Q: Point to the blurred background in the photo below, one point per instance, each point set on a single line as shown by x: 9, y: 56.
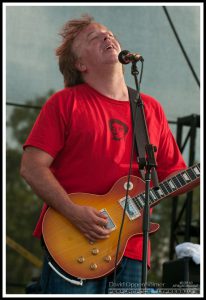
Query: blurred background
x: 168, y: 38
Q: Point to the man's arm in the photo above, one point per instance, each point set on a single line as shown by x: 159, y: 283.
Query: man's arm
x: 35, y: 169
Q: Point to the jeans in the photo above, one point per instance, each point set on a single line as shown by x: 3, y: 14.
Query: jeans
x: 128, y: 280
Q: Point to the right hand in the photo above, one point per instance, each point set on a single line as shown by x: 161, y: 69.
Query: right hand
x: 90, y: 222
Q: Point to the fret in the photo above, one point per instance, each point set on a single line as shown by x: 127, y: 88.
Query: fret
x: 151, y: 200
x: 191, y: 174
x: 172, y: 184
x: 196, y: 170
x: 142, y: 197
x: 155, y: 191
x: 153, y: 197
x: 160, y: 192
x: 140, y: 201
x: 135, y: 199
x: 181, y: 180
x: 164, y: 188
x: 167, y: 186
x: 186, y: 177
x: 176, y: 181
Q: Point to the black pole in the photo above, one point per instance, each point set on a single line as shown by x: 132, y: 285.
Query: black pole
x: 146, y: 222
x: 147, y: 164
x: 181, y: 46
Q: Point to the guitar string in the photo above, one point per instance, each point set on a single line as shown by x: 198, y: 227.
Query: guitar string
x: 180, y: 182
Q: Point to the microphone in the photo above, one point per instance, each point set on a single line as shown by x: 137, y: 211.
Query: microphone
x: 125, y: 57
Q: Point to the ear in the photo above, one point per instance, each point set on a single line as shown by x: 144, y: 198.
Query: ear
x: 80, y: 66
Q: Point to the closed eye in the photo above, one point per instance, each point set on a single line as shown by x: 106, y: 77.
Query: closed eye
x: 93, y: 38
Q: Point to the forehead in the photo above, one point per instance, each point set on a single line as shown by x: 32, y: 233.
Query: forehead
x: 93, y: 27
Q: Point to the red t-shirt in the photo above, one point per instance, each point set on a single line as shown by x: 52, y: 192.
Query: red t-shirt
x: 89, y: 136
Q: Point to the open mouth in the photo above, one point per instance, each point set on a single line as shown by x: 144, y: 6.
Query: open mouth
x: 109, y: 47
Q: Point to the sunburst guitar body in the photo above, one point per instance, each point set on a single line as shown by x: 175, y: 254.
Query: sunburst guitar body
x: 81, y: 258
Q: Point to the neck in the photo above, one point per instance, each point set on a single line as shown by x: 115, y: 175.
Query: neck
x: 109, y: 82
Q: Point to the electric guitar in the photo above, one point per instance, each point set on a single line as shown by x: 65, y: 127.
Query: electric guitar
x: 77, y: 256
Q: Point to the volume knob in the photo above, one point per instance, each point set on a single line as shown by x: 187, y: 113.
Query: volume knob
x: 93, y: 266
x: 95, y: 251
x: 107, y: 258
x: 81, y: 259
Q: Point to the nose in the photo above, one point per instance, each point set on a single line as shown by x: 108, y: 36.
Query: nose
x: 106, y: 35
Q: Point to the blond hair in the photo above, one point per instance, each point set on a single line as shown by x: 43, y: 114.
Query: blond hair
x: 66, y: 56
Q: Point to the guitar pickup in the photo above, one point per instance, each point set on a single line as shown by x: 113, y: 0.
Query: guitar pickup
x: 110, y: 224
x: 131, y: 210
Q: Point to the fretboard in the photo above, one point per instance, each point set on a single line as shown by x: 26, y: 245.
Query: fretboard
x: 169, y: 186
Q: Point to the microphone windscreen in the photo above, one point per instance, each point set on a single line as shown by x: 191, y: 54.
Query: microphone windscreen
x: 122, y: 55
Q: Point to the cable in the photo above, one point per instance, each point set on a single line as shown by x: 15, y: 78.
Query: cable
x: 128, y: 183
x: 181, y: 46
x: 23, y: 105
x: 127, y: 191
x: 39, y: 107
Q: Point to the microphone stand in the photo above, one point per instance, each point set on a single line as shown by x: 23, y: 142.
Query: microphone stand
x: 147, y: 163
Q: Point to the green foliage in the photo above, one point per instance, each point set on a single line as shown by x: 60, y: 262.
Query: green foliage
x: 22, y: 205
x: 22, y: 119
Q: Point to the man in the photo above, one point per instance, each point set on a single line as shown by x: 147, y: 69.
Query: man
x: 118, y: 129
x: 73, y: 147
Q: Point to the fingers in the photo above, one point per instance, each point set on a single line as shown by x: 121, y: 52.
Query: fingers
x: 102, y: 231
x: 93, y: 224
x: 100, y: 219
x: 92, y: 236
x: 96, y: 232
x: 101, y: 222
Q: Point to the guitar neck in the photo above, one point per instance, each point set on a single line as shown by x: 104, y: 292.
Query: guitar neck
x: 169, y: 186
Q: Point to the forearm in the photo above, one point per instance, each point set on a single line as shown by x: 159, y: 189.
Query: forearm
x: 46, y: 186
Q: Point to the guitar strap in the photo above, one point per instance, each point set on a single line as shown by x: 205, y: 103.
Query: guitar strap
x: 141, y: 133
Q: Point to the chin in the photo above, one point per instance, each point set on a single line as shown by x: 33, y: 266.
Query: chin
x: 112, y: 60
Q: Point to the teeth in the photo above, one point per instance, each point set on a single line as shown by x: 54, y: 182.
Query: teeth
x: 109, y: 47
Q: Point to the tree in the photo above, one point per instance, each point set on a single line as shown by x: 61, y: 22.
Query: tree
x: 22, y: 205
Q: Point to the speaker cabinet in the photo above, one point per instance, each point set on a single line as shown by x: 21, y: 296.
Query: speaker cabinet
x: 182, y: 272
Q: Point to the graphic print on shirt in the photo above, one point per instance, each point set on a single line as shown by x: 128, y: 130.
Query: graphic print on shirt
x: 118, y: 129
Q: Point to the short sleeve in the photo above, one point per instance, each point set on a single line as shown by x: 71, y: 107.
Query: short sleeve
x: 51, y: 127
x: 169, y: 157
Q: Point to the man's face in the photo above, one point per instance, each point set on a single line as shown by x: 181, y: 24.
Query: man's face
x: 96, y: 45
x: 117, y: 131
